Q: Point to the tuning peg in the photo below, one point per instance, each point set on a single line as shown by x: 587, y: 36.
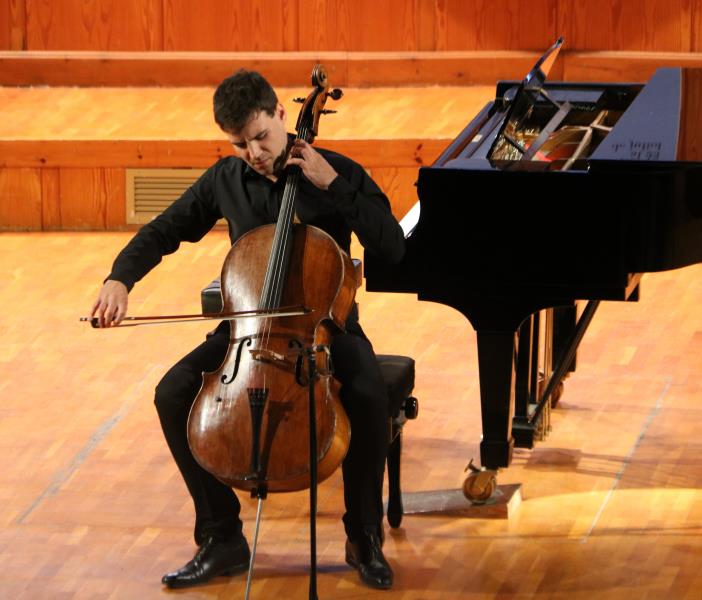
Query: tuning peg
x: 327, y: 111
x: 335, y: 94
x: 299, y: 100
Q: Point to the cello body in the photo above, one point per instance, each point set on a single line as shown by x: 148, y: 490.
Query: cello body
x: 249, y: 425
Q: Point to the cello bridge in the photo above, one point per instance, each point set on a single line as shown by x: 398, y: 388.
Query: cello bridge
x: 265, y: 355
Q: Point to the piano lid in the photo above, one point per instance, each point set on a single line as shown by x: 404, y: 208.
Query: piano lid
x: 648, y: 130
x: 663, y: 123
x: 525, y: 96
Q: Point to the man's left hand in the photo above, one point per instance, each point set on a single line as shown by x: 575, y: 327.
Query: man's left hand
x: 314, y: 166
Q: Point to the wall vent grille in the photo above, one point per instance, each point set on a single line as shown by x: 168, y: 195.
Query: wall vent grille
x: 151, y: 191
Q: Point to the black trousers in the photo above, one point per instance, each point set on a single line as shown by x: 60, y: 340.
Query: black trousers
x: 363, y: 396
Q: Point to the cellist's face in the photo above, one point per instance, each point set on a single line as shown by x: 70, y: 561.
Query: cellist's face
x: 262, y: 142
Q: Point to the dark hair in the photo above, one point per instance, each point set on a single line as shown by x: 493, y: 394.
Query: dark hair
x: 240, y: 97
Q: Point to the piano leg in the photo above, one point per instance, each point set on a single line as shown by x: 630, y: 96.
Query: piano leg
x: 496, y: 350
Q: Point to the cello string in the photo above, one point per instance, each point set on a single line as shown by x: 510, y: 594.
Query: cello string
x: 284, y: 235
x: 275, y: 275
x: 272, y: 273
x: 281, y: 235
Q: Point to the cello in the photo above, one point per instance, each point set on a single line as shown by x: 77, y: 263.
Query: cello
x: 248, y: 425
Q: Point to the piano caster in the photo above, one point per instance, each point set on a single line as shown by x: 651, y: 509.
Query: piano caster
x: 480, y: 484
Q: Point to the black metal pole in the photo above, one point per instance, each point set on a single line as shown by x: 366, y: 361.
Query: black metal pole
x: 565, y: 360
x: 312, y: 375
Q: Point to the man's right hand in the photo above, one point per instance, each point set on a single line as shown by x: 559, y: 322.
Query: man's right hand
x: 111, y: 304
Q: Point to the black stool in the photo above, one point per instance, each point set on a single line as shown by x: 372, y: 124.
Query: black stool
x: 398, y: 374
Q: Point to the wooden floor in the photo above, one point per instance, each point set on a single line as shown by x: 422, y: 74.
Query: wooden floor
x: 91, y: 505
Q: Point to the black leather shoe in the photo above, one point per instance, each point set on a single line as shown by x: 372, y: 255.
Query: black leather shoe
x: 213, y: 558
x: 366, y: 556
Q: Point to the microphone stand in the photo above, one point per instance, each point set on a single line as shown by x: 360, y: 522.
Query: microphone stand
x: 312, y: 375
x: 260, y: 492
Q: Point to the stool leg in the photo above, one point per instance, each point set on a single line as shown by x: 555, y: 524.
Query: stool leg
x: 394, y: 492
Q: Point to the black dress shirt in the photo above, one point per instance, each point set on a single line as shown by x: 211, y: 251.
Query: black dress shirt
x: 246, y: 199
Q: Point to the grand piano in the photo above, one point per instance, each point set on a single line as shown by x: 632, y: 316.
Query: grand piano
x: 555, y: 192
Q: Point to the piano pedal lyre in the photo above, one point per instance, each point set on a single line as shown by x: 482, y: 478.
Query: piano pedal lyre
x: 543, y: 422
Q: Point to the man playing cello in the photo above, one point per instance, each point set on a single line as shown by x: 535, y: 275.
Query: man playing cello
x: 336, y: 195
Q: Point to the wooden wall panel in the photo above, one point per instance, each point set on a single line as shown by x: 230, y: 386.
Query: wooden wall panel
x: 350, y: 25
x: 377, y: 25
x: 264, y: 25
x: 429, y: 21
x: 383, y: 25
x: 18, y: 24
x: 690, y: 138
x: 325, y: 24
x: 12, y: 24
x: 84, y: 197
x: 115, y: 206
x: 360, y: 25
x: 647, y: 25
x: 20, y: 199
x: 399, y: 186
x: 498, y: 25
x: 696, y: 26
x: 50, y: 199
x: 5, y: 26
x: 96, y: 25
